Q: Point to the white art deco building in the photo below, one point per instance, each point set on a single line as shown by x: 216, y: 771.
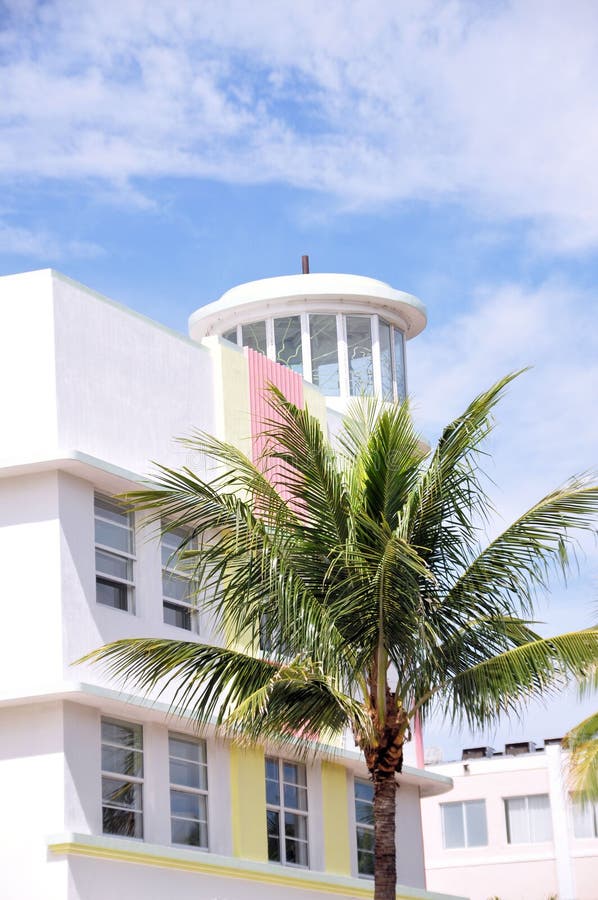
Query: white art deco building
x: 102, y: 793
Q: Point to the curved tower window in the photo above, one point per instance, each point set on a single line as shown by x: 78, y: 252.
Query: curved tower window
x: 361, y: 362
x: 287, y: 342
x: 324, y: 354
x: 231, y: 335
x: 399, y: 349
x: 254, y: 336
x: 385, y: 360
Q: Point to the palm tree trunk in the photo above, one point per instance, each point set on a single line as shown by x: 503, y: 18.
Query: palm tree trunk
x: 385, y: 857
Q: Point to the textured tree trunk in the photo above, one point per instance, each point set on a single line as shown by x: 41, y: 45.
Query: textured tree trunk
x: 385, y: 862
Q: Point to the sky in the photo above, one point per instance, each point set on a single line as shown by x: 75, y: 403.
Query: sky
x: 163, y: 152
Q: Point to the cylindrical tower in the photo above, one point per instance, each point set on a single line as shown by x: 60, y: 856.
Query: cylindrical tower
x: 344, y: 333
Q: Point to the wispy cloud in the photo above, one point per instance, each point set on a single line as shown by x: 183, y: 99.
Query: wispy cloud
x: 41, y: 245
x: 493, y: 104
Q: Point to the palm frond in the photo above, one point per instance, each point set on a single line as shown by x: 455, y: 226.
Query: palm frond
x: 582, y: 741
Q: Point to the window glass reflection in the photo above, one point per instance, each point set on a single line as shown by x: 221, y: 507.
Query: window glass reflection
x: 359, y: 347
x: 324, y: 354
x: 385, y: 359
x: 254, y: 336
x: 400, y: 364
x: 231, y: 335
x: 287, y: 341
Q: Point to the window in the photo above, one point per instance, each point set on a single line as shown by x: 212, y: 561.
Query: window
x: 122, y: 778
x: 364, y: 826
x: 359, y: 348
x: 324, y: 354
x: 188, y: 791
x: 286, y: 812
x: 585, y: 818
x: 399, y: 349
x: 528, y: 819
x: 231, y: 335
x: 254, y: 336
x: 114, y: 548
x: 177, y: 587
x: 464, y: 824
x: 385, y: 360
x: 287, y: 342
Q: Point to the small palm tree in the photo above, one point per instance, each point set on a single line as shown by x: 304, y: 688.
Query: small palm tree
x: 359, y: 568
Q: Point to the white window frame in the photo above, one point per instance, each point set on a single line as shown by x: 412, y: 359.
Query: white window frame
x: 588, y: 809
x: 203, y: 792
x: 527, y: 798
x: 170, y: 569
x: 114, y: 551
x: 361, y: 826
x: 120, y: 776
x: 466, y: 838
x: 281, y: 809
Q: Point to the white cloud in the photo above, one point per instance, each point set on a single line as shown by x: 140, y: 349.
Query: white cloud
x: 491, y: 104
x: 41, y: 245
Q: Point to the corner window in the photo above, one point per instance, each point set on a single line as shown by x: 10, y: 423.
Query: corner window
x: 528, y: 819
x: 230, y: 335
x: 464, y: 824
x: 287, y: 342
x: 399, y: 352
x: 364, y: 826
x: 254, y: 337
x: 385, y: 360
x: 585, y: 817
x: 361, y: 361
x: 122, y: 778
x: 114, y: 552
x: 177, y: 586
x: 324, y: 354
x: 188, y: 791
x: 286, y: 812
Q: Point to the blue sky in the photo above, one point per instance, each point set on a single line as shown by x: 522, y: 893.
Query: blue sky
x: 162, y: 152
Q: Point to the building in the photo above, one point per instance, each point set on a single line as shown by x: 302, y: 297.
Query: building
x: 101, y: 792
x: 510, y: 828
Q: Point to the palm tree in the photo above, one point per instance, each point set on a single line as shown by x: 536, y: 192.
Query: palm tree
x: 358, y: 566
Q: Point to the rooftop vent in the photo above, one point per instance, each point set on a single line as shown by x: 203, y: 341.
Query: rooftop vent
x: 477, y: 753
x: 549, y: 741
x: 519, y: 748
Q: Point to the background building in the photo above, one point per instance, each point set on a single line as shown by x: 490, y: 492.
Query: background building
x: 510, y: 828
x: 102, y: 794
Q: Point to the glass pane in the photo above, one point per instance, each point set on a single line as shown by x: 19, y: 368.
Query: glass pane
x: 273, y: 848
x: 110, y: 593
x: 287, y: 341
x: 385, y: 359
x: 272, y: 792
x: 539, y: 818
x: 364, y: 790
x: 295, y: 797
x: 452, y: 825
x: 187, y: 774
x: 365, y: 862
x: 122, y: 733
x: 364, y: 812
x: 254, y: 336
x: 182, y: 803
x: 230, y: 335
x: 108, y: 564
x: 365, y: 839
x: 475, y: 818
x: 176, y: 588
x: 110, y: 509
x: 583, y: 819
x: 399, y: 347
x: 324, y: 354
x: 517, y: 822
x: 195, y: 751
x: 194, y: 834
x: 125, y: 794
x: 125, y: 762
x: 295, y: 826
x: 116, y: 821
x: 296, y: 852
x: 294, y: 774
x: 272, y: 768
x: 359, y: 348
x: 179, y: 616
x: 113, y: 536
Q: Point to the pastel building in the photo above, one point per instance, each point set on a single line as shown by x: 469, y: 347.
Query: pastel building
x: 511, y: 828
x: 104, y: 794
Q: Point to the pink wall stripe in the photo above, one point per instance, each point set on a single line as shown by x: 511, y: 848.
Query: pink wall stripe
x: 418, y: 736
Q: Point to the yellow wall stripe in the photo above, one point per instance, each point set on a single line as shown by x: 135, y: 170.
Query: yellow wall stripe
x: 337, y: 851
x: 248, y: 799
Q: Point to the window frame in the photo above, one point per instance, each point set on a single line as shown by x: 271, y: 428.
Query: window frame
x: 202, y: 792
x: 281, y: 809
x: 123, y: 777
x: 128, y: 583
x: 169, y: 568
x: 370, y: 829
x: 577, y: 803
x: 464, y: 820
